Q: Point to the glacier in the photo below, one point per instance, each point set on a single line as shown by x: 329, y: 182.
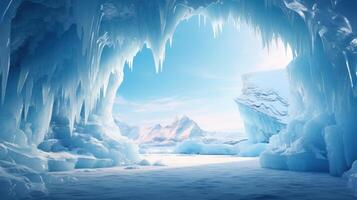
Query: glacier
x: 264, y: 104
x: 61, y: 63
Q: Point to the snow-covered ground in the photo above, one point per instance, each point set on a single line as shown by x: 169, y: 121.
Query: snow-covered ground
x: 196, y: 177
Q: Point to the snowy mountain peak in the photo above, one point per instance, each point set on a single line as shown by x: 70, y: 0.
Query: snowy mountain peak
x: 183, y: 121
x: 180, y: 129
x: 156, y: 127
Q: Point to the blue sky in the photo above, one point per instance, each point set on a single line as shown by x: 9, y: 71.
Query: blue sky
x: 200, y: 77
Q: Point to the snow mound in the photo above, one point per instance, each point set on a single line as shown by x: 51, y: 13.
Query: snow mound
x: 91, y: 145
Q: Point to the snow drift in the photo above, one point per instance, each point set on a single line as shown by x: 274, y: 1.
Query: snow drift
x: 61, y: 63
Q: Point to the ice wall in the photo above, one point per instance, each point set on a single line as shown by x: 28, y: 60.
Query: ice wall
x: 61, y: 63
x: 263, y: 104
x: 320, y: 136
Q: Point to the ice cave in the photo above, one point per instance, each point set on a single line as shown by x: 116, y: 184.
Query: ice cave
x: 62, y: 62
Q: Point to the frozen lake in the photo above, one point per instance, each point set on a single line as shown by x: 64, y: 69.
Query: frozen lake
x: 196, y: 177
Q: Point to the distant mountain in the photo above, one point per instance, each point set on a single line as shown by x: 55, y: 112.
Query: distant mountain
x: 181, y: 129
x: 163, y: 139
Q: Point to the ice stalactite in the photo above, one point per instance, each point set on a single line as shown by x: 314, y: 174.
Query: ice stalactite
x: 7, y: 12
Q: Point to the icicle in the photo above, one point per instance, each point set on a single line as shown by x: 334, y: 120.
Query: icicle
x: 237, y: 23
x: 45, y: 92
x: 72, y: 117
x: 106, y: 82
x: 28, y: 96
x: 79, y: 110
x: 86, y: 111
x: 170, y: 40
x: 7, y: 10
x: 217, y: 28
x: 22, y: 78
x: 85, y: 21
x: 130, y: 63
x: 158, y: 54
x: 350, y: 74
x: 5, y: 27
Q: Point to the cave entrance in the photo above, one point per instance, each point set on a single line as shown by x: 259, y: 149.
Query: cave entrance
x: 219, y: 87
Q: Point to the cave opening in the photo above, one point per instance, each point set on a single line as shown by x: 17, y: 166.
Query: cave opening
x: 62, y: 62
x: 207, y: 77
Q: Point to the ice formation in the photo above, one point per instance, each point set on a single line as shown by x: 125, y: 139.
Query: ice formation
x: 263, y: 104
x: 61, y: 63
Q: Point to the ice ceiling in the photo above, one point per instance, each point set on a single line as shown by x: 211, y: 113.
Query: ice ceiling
x: 61, y: 63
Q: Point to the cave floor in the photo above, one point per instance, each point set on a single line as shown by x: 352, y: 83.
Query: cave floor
x: 196, y: 177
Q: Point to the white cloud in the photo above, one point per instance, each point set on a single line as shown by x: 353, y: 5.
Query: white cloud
x: 155, y: 105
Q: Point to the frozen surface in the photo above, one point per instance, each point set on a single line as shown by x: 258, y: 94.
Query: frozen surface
x: 198, y: 177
